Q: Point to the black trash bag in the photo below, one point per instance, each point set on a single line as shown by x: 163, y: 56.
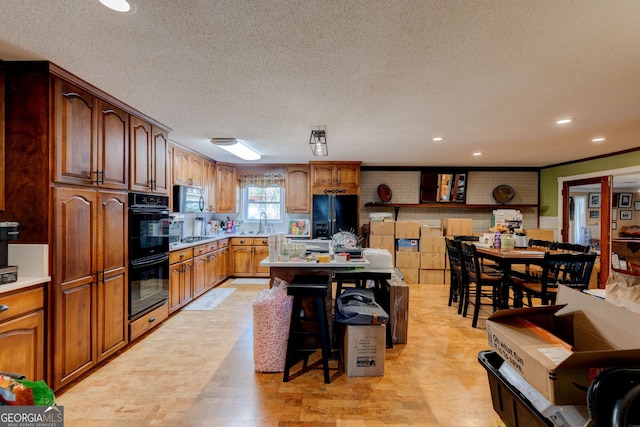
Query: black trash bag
x: 357, y: 306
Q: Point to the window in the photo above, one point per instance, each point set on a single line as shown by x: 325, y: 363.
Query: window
x: 263, y: 199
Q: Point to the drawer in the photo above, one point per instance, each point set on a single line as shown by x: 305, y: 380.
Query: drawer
x: 181, y: 255
x: 149, y: 321
x: 223, y: 243
x: 242, y: 241
x: 20, y: 303
x: 212, y: 246
x: 260, y: 241
x: 201, y: 250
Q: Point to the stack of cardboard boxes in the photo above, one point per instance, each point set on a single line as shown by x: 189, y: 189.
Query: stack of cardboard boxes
x: 419, y: 250
x: 407, y: 253
x: 432, y: 255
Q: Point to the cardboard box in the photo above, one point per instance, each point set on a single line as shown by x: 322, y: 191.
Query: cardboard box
x: 411, y: 275
x: 432, y: 277
x: 432, y: 261
x: 382, y: 242
x: 364, y: 350
x: 457, y: 226
x: 407, y: 230
x: 539, y: 234
x: 385, y: 228
x: 432, y: 244
x: 399, y: 307
x: 408, y: 245
x: 431, y: 231
x: 566, y: 345
x: 407, y: 259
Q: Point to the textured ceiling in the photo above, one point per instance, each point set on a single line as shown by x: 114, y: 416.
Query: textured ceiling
x: 383, y: 77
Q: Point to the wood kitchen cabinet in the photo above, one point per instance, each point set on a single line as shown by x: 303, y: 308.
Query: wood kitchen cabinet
x: 246, y: 254
x: 204, y: 269
x: 22, y: 333
x: 223, y: 260
x: 180, y: 278
x: 335, y: 177
x: 149, y: 147
x: 1, y: 136
x: 58, y: 129
x: 90, y: 290
x: 297, y: 189
x: 226, y: 183
x: 91, y: 138
x: 188, y: 168
x: 209, y: 173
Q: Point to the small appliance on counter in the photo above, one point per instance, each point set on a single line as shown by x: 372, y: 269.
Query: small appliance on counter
x: 8, y: 232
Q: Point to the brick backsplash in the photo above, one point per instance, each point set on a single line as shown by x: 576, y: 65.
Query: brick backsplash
x: 405, y: 188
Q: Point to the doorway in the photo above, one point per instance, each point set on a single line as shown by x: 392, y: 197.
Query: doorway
x: 586, y: 217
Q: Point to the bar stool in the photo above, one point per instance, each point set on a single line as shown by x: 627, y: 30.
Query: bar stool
x: 303, y: 339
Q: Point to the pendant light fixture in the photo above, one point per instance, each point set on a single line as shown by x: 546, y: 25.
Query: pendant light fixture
x: 236, y: 148
x: 318, y: 142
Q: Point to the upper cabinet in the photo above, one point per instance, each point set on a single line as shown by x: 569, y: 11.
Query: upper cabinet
x: 188, y: 169
x: 335, y: 177
x: 91, y: 138
x: 148, y: 166
x: 297, y: 189
x: 226, y: 183
x: 209, y: 169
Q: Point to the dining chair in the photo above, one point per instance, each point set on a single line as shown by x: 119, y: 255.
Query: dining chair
x: 544, y: 244
x: 572, y: 247
x: 558, y: 268
x: 485, y: 286
x: 456, y: 287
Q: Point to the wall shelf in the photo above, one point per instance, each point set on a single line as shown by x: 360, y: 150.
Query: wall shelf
x: 448, y: 205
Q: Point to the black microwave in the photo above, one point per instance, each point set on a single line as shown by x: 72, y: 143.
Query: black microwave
x: 187, y: 199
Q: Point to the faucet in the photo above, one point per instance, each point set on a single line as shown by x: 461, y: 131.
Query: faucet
x: 263, y: 215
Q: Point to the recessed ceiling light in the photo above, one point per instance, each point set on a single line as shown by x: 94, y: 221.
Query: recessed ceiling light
x: 563, y: 121
x: 123, y: 6
x: 437, y: 139
x: 236, y: 148
x: 598, y: 139
x: 477, y: 153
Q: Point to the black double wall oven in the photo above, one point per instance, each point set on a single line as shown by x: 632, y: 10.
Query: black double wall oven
x: 148, y: 253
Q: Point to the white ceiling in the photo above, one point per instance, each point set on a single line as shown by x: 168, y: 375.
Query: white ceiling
x: 382, y: 76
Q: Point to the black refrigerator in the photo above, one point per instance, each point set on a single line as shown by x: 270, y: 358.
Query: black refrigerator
x: 334, y: 213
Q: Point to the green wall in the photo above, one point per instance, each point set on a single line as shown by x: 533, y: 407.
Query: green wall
x: 549, y: 176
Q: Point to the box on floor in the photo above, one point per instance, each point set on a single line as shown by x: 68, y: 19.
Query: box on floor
x: 364, y: 350
x: 559, y: 349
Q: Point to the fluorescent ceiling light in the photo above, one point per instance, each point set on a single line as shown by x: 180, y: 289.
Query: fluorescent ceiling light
x: 437, y: 139
x: 236, y: 148
x: 563, y: 121
x: 598, y: 139
x: 477, y: 153
x: 119, y: 5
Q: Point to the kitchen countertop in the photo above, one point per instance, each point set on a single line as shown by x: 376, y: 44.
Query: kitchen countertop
x: 207, y: 239
x: 33, y: 266
x: 331, y: 264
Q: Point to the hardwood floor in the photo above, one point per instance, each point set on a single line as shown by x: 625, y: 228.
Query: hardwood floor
x: 197, y: 370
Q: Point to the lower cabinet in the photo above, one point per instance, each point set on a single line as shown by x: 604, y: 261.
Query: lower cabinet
x: 180, y: 278
x: 90, y: 319
x: 223, y: 267
x: 22, y: 333
x: 246, y: 256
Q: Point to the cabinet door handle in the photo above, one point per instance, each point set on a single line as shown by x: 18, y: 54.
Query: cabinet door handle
x: 97, y: 180
x: 4, y: 307
x: 152, y: 319
x: 101, y: 177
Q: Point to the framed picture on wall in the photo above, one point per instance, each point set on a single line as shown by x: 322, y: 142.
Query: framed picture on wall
x: 594, y: 214
x: 636, y: 206
x: 625, y: 200
x: 625, y: 214
x: 594, y: 200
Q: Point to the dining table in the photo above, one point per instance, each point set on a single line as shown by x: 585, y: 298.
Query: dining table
x: 505, y: 260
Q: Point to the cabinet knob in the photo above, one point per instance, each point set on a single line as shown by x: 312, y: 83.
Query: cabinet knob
x: 152, y: 319
x: 4, y: 307
x: 181, y: 255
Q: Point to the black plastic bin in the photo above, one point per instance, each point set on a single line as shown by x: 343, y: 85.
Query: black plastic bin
x: 514, y: 409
